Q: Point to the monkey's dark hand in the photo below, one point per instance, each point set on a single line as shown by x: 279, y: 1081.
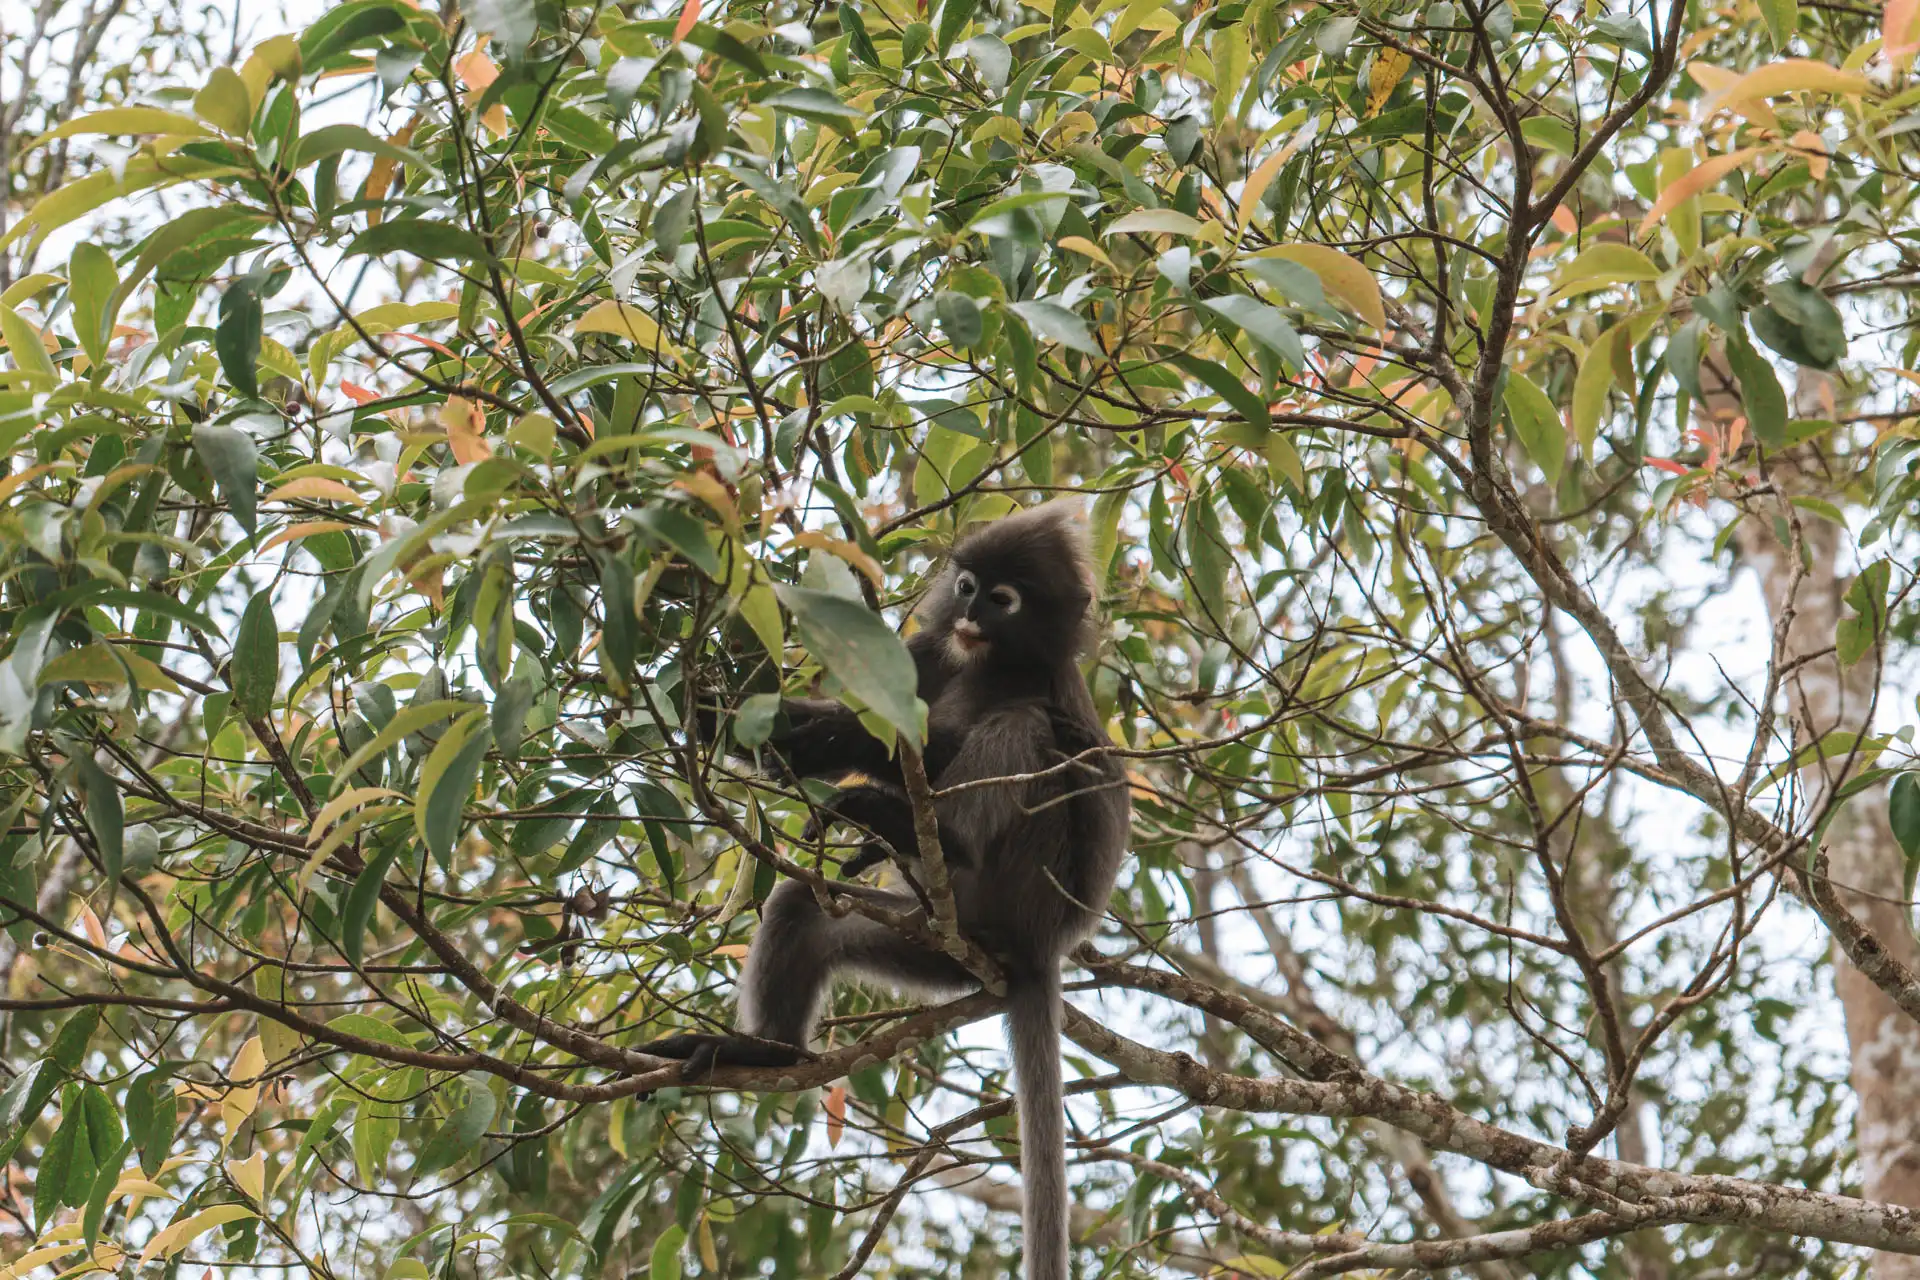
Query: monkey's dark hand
x: 881, y: 810
x: 700, y: 1053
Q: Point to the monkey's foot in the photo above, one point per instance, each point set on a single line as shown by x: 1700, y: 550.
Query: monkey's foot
x: 701, y: 1053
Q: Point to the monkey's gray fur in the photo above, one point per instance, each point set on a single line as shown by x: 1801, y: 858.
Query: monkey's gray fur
x: 1032, y: 862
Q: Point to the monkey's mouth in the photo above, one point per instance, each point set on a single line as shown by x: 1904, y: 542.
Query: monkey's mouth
x: 967, y: 644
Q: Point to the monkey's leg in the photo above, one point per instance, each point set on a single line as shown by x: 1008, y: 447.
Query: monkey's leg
x: 791, y: 967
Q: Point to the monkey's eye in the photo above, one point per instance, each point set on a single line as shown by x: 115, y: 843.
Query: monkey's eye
x: 965, y: 585
x: 1006, y: 598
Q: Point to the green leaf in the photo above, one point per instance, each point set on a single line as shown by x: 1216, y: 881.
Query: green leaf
x: 511, y: 23
x: 954, y: 17
x: 331, y: 140
x: 225, y: 103
x: 434, y: 241
x: 1867, y: 596
x: 1782, y: 18
x: 673, y: 527
x: 349, y: 26
x: 29, y: 354
x: 820, y: 107
x: 233, y: 461
x: 255, y: 674
x: 357, y: 912
x: 1590, y: 387
x: 1264, y: 324
x: 857, y: 38
x: 1802, y: 324
x: 664, y: 1262
x: 151, y: 1116
x: 1537, y: 425
x: 106, y: 817
x: 91, y: 282
x: 862, y: 652
x: 1760, y: 393
x: 103, y: 1124
x: 62, y: 1155
x: 411, y: 720
x: 960, y: 317
x: 105, y: 1178
x: 460, y: 1135
x: 1227, y: 387
x: 1054, y: 323
x: 446, y: 780
x: 1903, y: 812
x: 236, y: 340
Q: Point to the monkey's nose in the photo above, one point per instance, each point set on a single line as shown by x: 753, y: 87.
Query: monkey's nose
x: 967, y: 629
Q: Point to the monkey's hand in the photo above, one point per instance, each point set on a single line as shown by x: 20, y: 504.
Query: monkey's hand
x: 880, y: 810
x: 700, y: 1053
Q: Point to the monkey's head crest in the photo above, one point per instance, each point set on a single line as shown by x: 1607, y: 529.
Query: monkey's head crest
x: 1017, y: 592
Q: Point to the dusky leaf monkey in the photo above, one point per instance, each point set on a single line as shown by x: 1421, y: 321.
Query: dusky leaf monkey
x: 1032, y: 860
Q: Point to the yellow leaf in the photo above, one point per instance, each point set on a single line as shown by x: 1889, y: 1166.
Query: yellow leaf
x: 125, y: 120
x: 250, y: 1175
x: 1087, y: 249
x: 623, y: 320
x: 224, y: 102
x: 815, y: 540
x: 1692, y: 183
x: 146, y: 671
x: 466, y: 425
x: 34, y: 1259
x: 1387, y: 70
x: 715, y: 495
x: 1257, y: 183
x: 1716, y: 80
x: 170, y: 1240
x: 1340, y: 275
x: 315, y: 488
x: 709, y: 1256
x: 1789, y: 75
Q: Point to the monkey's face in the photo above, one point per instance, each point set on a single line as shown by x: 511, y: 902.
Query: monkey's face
x: 986, y: 617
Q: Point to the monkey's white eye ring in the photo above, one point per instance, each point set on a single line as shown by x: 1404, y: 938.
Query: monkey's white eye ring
x: 1005, y: 597
x: 965, y: 585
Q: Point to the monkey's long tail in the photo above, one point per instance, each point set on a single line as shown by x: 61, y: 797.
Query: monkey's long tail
x: 1034, y: 1018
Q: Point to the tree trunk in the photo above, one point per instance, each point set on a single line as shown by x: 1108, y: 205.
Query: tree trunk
x: 1867, y: 864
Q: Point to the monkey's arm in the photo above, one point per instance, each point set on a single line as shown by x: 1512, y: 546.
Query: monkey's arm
x: 885, y: 813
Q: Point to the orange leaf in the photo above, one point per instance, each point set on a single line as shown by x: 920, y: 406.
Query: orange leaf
x: 294, y: 532
x: 1667, y: 464
x: 689, y: 14
x: 1692, y: 183
x: 836, y: 1109
x: 380, y: 176
x: 357, y: 393
x: 476, y: 70
x: 1562, y: 219
x: 91, y: 923
x: 466, y: 426
x: 1813, y: 148
x: 1897, y: 25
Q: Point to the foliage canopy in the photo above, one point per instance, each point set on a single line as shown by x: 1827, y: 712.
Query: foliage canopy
x: 405, y: 421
